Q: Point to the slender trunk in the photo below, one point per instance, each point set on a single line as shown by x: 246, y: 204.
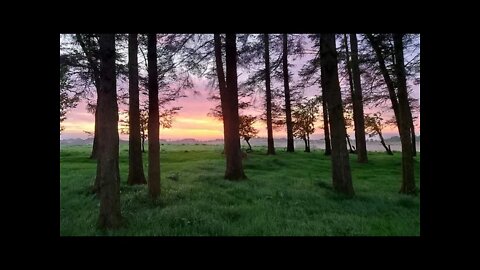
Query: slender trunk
x: 249, y: 146
x: 357, y: 99
x: 221, y: 85
x: 408, y: 183
x: 288, y: 109
x: 306, y: 145
x: 234, y: 168
x: 143, y: 145
x: 382, y: 141
x: 341, y: 174
x: 153, y: 120
x: 326, y: 124
x: 388, y: 81
x: 349, y: 144
x: 266, y: 55
x: 350, y: 81
x: 347, y: 63
x: 94, y: 153
x: 414, y: 139
x: 135, y: 160
x: 89, y: 51
x: 108, y: 171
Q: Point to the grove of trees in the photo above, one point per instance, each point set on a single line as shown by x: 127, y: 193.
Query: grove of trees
x: 354, y: 78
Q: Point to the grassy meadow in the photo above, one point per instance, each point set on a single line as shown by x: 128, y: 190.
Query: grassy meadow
x: 289, y: 194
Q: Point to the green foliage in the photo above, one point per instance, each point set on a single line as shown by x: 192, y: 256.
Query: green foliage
x: 286, y: 194
x: 67, y: 100
x: 373, y: 124
x: 304, y: 115
x: 247, y: 130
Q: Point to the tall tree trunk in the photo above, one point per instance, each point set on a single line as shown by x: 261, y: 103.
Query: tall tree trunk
x: 107, y: 163
x: 143, y: 144
x: 221, y: 85
x: 135, y: 164
x: 350, y: 80
x: 266, y: 55
x: 382, y: 141
x: 89, y: 51
x: 414, y: 139
x: 234, y: 170
x: 153, y: 120
x: 408, y: 183
x: 326, y: 124
x: 386, y: 77
x: 357, y: 99
x: 95, y: 147
x: 341, y: 174
x: 288, y: 109
x: 94, y: 153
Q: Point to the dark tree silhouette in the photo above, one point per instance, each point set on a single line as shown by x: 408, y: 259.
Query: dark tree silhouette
x: 135, y: 159
x: 288, y: 110
x: 108, y: 173
x: 90, y: 49
x: 268, y: 96
x: 341, y: 174
x: 326, y: 123
x: 374, y: 126
x: 408, y: 183
x: 234, y: 168
x: 247, y: 130
x: 305, y: 115
x: 357, y: 100
x: 153, y: 120
x: 222, y: 88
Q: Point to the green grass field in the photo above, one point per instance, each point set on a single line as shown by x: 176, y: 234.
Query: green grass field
x: 285, y: 195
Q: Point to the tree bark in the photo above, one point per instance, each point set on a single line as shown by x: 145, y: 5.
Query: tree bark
x: 153, y: 120
x: 408, y: 183
x: 94, y: 153
x: 357, y: 99
x: 234, y: 169
x: 341, y: 174
x: 221, y: 85
x: 288, y: 109
x: 136, y: 175
x: 266, y: 55
x: 108, y: 171
x: 326, y: 124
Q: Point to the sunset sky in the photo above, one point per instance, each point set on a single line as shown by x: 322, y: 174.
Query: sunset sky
x: 192, y: 120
